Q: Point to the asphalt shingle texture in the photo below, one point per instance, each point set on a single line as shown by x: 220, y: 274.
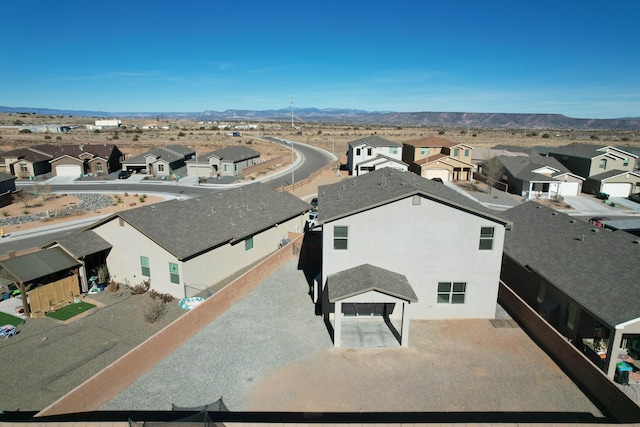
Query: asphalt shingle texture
x: 366, y: 277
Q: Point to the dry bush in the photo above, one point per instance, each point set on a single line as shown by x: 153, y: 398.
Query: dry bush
x: 140, y: 288
x: 113, y: 286
x: 165, y: 298
x: 153, y: 310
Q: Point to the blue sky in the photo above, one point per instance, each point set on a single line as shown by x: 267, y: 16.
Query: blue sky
x: 578, y: 58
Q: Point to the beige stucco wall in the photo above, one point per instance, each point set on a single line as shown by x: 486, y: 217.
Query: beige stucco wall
x: 205, y: 270
x: 428, y: 243
x: 612, y: 163
x: 632, y: 327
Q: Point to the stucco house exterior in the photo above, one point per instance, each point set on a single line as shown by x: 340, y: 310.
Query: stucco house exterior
x: 615, y: 183
x: 581, y: 279
x: 440, y: 251
x: 435, y: 157
x: 7, y: 188
x: 597, y: 163
x: 538, y: 177
x: 159, y: 162
x: 28, y: 162
x: 228, y: 161
x: 187, y: 245
x: 83, y: 159
x: 363, y: 151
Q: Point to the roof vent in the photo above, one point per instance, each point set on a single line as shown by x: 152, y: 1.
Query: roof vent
x: 594, y: 230
x: 637, y: 242
x: 580, y: 239
x: 554, y: 213
x: 572, y: 221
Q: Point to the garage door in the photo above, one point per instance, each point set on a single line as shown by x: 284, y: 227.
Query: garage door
x: 569, y: 188
x: 617, y: 189
x: 68, y: 170
x: 437, y: 173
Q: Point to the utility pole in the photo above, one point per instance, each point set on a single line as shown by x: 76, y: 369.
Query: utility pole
x: 292, y: 112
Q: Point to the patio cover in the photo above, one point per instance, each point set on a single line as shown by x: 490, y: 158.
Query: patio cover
x: 392, y: 287
x: 81, y: 244
x: 29, y: 267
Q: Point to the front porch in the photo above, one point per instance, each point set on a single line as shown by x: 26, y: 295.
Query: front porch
x: 369, y: 332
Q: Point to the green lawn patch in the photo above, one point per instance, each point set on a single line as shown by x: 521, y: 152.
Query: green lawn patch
x: 70, y: 311
x: 7, y: 319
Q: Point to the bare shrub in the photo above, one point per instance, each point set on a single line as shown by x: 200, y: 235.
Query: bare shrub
x: 140, y: 288
x: 165, y: 298
x: 153, y: 310
x: 113, y: 286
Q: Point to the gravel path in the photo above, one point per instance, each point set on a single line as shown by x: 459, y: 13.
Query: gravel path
x: 270, y: 352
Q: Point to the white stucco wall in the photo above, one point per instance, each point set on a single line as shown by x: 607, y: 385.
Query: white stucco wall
x: 428, y: 243
x: 632, y: 327
x: 353, y: 159
x: 207, y: 269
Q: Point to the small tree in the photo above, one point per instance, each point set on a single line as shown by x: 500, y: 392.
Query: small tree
x: 23, y: 197
x: 493, y: 170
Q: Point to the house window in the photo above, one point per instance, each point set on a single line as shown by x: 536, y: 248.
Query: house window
x: 393, y: 150
x: 235, y: 167
x: 456, y: 152
x: 160, y: 168
x: 415, y: 200
x: 144, y: 266
x: 369, y: 151
x: 24, y: 167
x: 174, y: 273
x: 424, y: 151
x: 603, y: 163
x: 226, y: 168
x: 466, y: 153
x: 340, y: 237
x: 486, y: 238
x: 451, y: 292
x: 570, y: 317
x: 357, y: 151
x: 99, y: 167
x: 625, y: 162
x: 248, y: 243
x: 120, y: 222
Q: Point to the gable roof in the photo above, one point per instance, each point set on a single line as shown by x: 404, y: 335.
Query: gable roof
x: 187, y: 228
x: 597, y: 269
x: 7, y: 177
x: 81, y: 244
x: 365, y: 278
x: 233, y: 153
x: 431, y: 142
x: 53, y: 152
x: 167, y: 154
x: 612, y: 174
x: 387, y: 185
x: 524, y: 168
x: 374, y: 141
x: 382, y: 157
x: 585, y: 151
x: 33, y: 266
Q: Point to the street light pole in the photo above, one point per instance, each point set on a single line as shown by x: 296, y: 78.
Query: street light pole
x: 292, y: 111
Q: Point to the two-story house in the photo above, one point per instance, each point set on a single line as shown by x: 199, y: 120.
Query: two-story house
x: 227, y: 161
x: 401, y: 247
x: 373, y: 152
x: 581, y: 279
x: 435, y: 157
x: 607, y: 169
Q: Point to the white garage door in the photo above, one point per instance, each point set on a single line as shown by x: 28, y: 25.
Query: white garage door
x: 68, y: 170
x: 617, y: 189
x: 437, y: 173
x: 569, y: 188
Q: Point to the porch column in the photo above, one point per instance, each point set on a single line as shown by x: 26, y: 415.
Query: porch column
x: 337, y: 324
x: 404, y: 335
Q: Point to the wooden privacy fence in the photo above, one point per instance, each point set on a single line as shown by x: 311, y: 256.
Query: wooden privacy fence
x: 314, y: 175
x: 53, y: 296
x: 261, y: 166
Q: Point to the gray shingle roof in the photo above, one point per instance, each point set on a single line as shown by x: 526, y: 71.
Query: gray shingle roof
x: 385, y: 185
x: 168, y: 154
x: 187, y: 228
x: 600, y: 271
x: 523, y: 167
x: 366, y: 277
x: 84, y: 243
x: 6, y: 177
x: 610, y: 174
x: 39, y: 264
x: 374, y: 141
x: 234, y: 153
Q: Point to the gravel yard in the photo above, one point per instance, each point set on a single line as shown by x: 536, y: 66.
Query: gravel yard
x: 269, y: 352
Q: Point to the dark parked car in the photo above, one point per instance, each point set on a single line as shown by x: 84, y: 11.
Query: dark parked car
x: 124, y: 174
x: 602, y: 196
x: 635, y: 197
x: 314, y: 203
x: 436, y: 179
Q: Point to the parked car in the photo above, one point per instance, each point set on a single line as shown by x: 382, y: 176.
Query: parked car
x: 314, y: 203
x: 635, y: 197
x: 124, y: 174
x: 602, y: 196
x: 436, y: 179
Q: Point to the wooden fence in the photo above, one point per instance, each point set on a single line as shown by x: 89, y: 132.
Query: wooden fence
x: 311, y: 178
x: 261, y: 166
x: 54, y: 295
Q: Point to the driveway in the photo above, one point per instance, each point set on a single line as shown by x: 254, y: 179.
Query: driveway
x: 585, y: 205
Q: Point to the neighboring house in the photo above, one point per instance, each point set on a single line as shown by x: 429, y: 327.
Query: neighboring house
x: 538, y: 177
x: 363, y: 151
x: 68, y: 160
x: 91, y: 251
x: 84, y: 159
x: 404, y: 247
x: 7, y: 188
x: 581, y: 279
x: 615, y: 183
x: 435, y: 157
x: 228, y: 161
x: 159, y: 162
x: 604, y: 167
x: 185, y: 246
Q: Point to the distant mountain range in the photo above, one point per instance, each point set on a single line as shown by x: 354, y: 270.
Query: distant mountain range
x: 360, y: 117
